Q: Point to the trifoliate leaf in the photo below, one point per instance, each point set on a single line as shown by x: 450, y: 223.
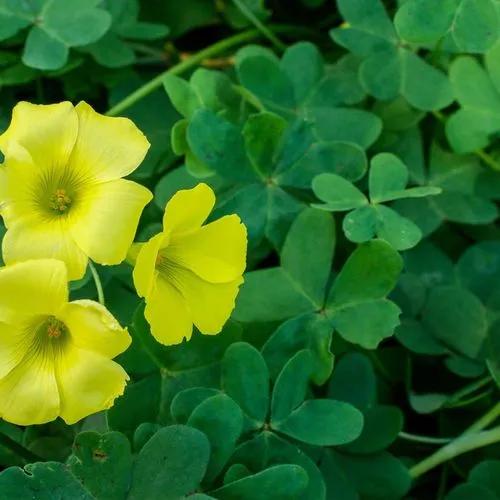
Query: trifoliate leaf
x: 388, y: 68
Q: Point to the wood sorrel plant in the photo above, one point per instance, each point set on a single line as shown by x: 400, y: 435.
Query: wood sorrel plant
x: 297, y: 286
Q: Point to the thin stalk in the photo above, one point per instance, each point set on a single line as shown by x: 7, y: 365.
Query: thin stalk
x: 471, y: 400
x: 458, y: 446
x: 440, y: 116
x: 19, y: 449
x: 487, y: 419
x: 474, y: 437
x: 98, y: 284
x: 189, y: 63
x: 249, y: 97
x: 424, y: 439
x: 147, y: 50
x: 183, y: 66
x: 488, y: 159
x: 259, y: 25
x: 468, y: 389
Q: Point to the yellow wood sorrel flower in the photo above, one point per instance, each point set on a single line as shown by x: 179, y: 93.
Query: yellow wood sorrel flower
x: 61, y: 191
x: 55, y: 355
x: 190, y: 273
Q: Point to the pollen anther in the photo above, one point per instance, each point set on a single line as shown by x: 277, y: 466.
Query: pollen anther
x: 55, y: 328
x: 60, y: 201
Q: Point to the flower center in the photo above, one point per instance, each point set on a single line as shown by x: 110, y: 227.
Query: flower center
x: 53, y: 328
x: 60, y: 201
x: 45, y: 336
x: 164, y: 265
x: 167, y: 267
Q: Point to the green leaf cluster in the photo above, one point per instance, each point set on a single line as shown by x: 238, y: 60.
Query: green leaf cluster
x: 358, y: 140
x: 482, y: 480
x: 55, y: 26
x: 249, y: 432
x: 270, y: 137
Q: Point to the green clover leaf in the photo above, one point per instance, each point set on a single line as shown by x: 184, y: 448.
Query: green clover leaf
x: 57, y: 26
x: 389, y: 68
x: 387, y: 182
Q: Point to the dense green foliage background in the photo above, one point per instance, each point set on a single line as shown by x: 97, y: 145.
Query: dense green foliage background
x: 358, y: 141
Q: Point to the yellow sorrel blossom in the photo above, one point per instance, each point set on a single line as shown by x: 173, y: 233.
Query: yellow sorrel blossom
x: 55, y: 355
x: 61, y: 191
x: 190, y: 273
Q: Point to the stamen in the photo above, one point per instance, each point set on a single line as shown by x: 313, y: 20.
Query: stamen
x: 54, y: 328
x: 60, y: 201
x: 45, y: 336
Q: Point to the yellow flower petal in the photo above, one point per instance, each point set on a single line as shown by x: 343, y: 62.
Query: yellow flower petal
x: 47, y: 132
x: 133, y: 252
x: 106, y: 148
x: 34, y: 238
x: 188, y: 209
x: 144, y: 272
x: 106, y: 218
x: 3, y: 188
x: 18, y: 180
x: 10, y: 353
x: 88, y: 383
x: 29, y: 394
x: 167, y: 314
x: 210, y: 304
x: 94, y: 328
x: 31, y: 288
x: 216, y: 252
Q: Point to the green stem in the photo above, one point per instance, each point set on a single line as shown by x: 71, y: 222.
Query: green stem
x: 147, y: 50
x: 19, y: 449
x: 484, y: 421
x: 488, y: 159
x: 474, y: 437
x: 458, y: 446
x: 259, y: 25
x: 439, y: 116
x: 249, y: 97
x: 468, y: 389
x: 183, y: 66
x: 210, y: 51
x: 471, y: 400
x: 423, y: 439
x: 98, y: 284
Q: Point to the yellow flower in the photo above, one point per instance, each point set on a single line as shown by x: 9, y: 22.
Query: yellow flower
x: 55, y: 356
x: 190, y: 273
x: 61, y: 191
